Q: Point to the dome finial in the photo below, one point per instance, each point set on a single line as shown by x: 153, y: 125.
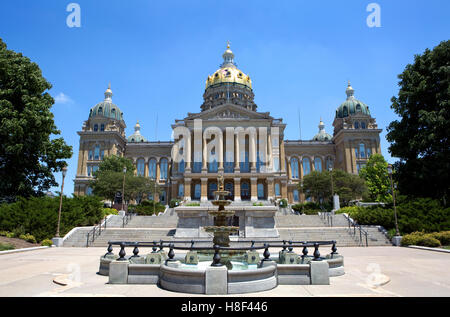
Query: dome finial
x: 228, y: 57
x: 108, y: 93
x: 349, y: 91
x: 228, y: 44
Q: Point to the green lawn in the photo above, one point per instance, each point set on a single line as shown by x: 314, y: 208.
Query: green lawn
x: 446, y: 247
x: 6, y: 246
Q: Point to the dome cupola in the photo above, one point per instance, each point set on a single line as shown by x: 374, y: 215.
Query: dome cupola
x: 106, y: 108
x: 136, y: 136
x: 351, y: 106
x: 322, y: 135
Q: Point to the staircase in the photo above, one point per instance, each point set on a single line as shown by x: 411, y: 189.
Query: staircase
x: 290, y: 226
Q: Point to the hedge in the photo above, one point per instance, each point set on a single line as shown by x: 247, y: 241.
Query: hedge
x: 148, y: 208
x: 435, y: 239
x: 38, y: 216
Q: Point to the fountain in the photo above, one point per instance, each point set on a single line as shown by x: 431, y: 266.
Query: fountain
x: 220, y: 229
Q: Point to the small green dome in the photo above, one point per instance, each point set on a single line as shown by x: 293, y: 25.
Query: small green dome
x: 322, y: 135
x: 352, y: 105
x: 137, y: 136
x: 106, y: 108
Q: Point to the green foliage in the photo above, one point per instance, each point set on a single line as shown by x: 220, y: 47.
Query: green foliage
x: 413, y: 215
x: 258, y: 204
x: 377, y: 180
x: 443, y: 237
x: 310, y: 208
x: 317, y: 185
x: 28, y: 237
x: 29, y: 152
x: 109, y: 211
x: 149, y: 207
x: 174, y: 203
x: 110, y: 177
x: 420, y: 139
x: 38, y: 216
x: 6, y: 247
x: 46, y: 243
x: 283, y: 203
x: 192, y: 204
x: 421, y: 239
x: 351, y: 210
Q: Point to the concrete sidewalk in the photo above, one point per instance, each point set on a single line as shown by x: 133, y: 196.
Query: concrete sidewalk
x: 409, y: 272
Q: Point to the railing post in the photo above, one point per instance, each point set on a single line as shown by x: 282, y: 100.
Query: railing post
x: 110, y: 249
x: 316, y: 252
x: 304, y: 252
x: 122, y: 253
x: 216, y: 257
x: 266, y: 252
x: 171, y: 254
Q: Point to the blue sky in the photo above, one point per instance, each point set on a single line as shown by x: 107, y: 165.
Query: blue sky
x: 157, y: 55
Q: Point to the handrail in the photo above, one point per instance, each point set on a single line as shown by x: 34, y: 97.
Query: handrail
x: 96, y: 231
x: 353, y: 224
x: 326, y: 216
x: 217, y: 258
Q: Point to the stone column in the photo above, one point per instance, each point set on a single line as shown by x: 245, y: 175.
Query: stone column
x: 204, y: 189
x: 284, y: 189
x: 158, y: 170
x: 146, y: 167
x: 237, y: 189
x: 282, y: 157
x: 205, y: 156
x: 252, y: 150
x: 236, y: 155
x: 270, y: 189
x: 187, y: 189
x: 289, y: 167
x: 188, y: 156
x: 254, y: 189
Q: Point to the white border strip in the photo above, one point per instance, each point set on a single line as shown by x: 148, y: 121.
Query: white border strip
x: 22, y: 250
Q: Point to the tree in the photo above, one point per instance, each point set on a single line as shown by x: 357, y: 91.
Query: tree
x: 317, y: 185
x: 109, y: 180
x: 421, y: 138
x: 377, y: 178
x: 29, y: 153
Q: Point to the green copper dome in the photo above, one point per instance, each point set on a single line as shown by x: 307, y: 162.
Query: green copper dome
x: 352, y: 105
x: 137, y: 136
x: 106, y: 108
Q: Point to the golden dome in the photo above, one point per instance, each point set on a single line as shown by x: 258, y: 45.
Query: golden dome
x: 228, y: 72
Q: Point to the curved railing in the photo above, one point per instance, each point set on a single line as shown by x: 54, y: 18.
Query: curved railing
x: 266, y: 245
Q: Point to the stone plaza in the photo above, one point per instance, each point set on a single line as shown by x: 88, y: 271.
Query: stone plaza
x: 369, y: 272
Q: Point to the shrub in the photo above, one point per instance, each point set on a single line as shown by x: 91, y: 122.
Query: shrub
x: 192, y: 204
x: 283, y: 203
x: 311, y: 211
x: 443, y: 237
x: 348, y: 210
x: 149, y: 207
x: 421, y: 239
x: 258, y: 204
x: 46, y: 243
x: 297, y: 207
x: 109, y: 211
x: 28, y: 238
x: 174, y: 203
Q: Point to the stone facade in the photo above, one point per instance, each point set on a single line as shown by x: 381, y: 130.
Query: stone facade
x: 229, y: 136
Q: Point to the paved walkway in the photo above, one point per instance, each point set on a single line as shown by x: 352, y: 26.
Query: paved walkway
x: 411, y: 272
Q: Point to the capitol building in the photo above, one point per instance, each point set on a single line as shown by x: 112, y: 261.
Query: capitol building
x: 230, y: 136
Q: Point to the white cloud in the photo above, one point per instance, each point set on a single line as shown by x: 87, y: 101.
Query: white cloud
x: 61, y: 98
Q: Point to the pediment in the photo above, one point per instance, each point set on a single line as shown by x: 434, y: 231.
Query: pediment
x: 228, y: 112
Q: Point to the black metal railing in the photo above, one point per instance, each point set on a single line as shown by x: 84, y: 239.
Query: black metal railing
x: 126, y: 219
x: 263, y: 245
x: 326, y: 216
x: 96, y: 231
x: 358, y: 233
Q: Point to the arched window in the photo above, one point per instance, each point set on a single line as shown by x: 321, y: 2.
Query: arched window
x: 230, y: 188
x: 245, y: 191
x: 89, y: 170
x: 329, y: 163
x: 102, y: 127
x: 163, y: 168
x: 97, y: 152
x: 277, y: 189
x: 96, y: 127
x: 295, y: 194
x: 181, y: 166
x: 211, y: 189
x: 102, y: 154
x: 358, y: 108
x: 318, y: 164
x: 363, y: 125
x: 260, y: 191
x: 181, y: 190
x: 152, y: 168
x: 294, y: 167
x: 140, y: 167
x: 369, y: 152
x: 306, y: 166
x: 362, y: 150
x: 100, y: 110
x: 197, y: 191
x: 345, y: 112
x: 356, y: 125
